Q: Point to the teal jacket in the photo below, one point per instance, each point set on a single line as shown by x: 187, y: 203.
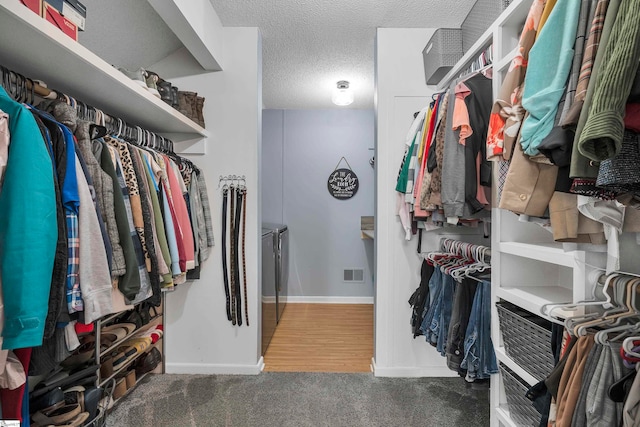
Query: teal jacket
x: 28, y: 229
x: 549, y: 66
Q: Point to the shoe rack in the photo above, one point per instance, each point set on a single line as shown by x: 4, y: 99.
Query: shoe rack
x: 45, y: 53
x: 104, y: 354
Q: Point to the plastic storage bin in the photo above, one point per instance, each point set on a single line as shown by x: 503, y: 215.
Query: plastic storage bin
x: 441, y: 53
x: 527, y: 339
x: 521, y: 409
x: 481, y: 15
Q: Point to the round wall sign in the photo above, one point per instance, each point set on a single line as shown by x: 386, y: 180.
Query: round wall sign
x: 343, y: 183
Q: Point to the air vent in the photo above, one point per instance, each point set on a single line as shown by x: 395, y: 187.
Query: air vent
x: 355, y: 275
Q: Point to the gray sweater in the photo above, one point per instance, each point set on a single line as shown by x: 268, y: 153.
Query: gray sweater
x: 602, y: 135
x: 453, y: 166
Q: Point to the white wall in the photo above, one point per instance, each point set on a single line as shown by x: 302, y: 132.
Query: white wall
x: 272, y: 166
x: 325, y: 233
x: 199, y: 339
x: 401, y: 91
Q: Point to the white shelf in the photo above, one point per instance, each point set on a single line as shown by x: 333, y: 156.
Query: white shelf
x: 551, y: 253
x: 532, y: 298
x: 45, y: 53
x: 504, y: 417
x: 506, y: 61
x: 502, y: 357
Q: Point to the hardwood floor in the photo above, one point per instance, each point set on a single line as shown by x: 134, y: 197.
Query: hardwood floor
x: 322, y: 338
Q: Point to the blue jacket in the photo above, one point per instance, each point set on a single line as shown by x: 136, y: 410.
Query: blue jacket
x: 28, y: 229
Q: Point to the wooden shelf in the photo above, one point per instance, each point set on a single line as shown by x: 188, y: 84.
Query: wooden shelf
x: 551, y: 253
x: 46, y: 54
x: 501, y: 354
x: 532, y: 298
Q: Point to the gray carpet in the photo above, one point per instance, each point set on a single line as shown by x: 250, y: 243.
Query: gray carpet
x: 301, y: 400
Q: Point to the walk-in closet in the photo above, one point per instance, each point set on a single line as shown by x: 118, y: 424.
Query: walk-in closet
x: 345, y: 213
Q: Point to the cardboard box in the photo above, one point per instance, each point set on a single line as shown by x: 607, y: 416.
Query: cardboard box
x: 52, y: 15
x: 34, y: 5
x: 73, y: 10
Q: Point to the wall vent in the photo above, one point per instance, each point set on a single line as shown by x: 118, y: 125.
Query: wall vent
x: 354, y: 275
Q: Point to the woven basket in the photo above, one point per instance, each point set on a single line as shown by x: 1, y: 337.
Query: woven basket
x: 527, y: 339
x: 441, y: 53
x: 480, y: 17
x: 521, y: 409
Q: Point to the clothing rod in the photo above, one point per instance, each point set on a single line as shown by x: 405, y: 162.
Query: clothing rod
x: 82, y: 107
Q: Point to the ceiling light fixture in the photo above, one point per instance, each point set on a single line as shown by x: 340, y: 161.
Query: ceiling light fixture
x: 342, y: 95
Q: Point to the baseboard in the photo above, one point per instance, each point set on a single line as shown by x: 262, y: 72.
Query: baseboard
x: 329, y: 300
x: 410, y: 372
x: 214, y: 369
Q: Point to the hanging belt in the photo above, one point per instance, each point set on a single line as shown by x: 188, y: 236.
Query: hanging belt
x: 244, y: 257
x: 236, y: 237
x: 225, y: 274
x: 232, y: 234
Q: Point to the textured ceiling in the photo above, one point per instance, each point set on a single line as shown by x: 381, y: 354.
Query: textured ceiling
x: 308, y: 45
x: 127, y: 33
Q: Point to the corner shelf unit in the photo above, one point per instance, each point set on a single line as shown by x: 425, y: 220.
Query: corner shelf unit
x: 529, y: 269
x: 45, y: 53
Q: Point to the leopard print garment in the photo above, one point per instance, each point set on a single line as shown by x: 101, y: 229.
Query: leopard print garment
x: 134, y: 193
x: 431, y: 183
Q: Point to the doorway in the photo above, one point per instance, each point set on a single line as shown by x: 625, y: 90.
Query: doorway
x: 327, y: 323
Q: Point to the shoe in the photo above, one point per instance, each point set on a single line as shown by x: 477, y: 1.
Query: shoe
x: 154, y: 334
x: 83, y: 354
x: 174, y: 97
x: 121, y: 388
x: 199, y: 110
x: 121, y: 359
x: 48, y: 402
x: 130, y: 378
x: 151, y: 79
x: 78, y: 421
x: 92, y: 397
x: 164, y: 88
x: 137, y: 76
x: 106, y: 366
x: 60, y: 416
x: 148, y: 362
x: 184, y: 103
x: 134, y: 347
x: 128, y: 327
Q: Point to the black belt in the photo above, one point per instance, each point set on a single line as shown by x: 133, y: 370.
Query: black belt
x: 236, y: 238
x: 244, y: 257
x: 233, y: 284
x: 232, y: 255
x: 225, y: 196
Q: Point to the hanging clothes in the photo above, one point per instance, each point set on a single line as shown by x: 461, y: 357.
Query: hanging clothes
x: 29, y: 227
